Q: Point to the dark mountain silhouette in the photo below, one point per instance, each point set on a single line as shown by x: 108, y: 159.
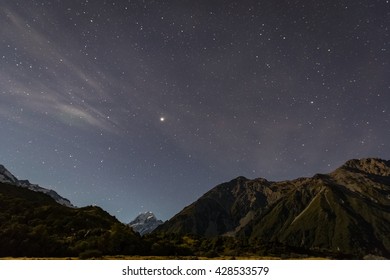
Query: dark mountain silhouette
x: 346, y: 211
x: 33, y: 224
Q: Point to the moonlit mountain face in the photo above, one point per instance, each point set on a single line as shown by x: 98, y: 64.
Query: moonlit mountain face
x: 135, y: 105
x: 343, y: 212
x: 8, y: 178
x: 145, y: 223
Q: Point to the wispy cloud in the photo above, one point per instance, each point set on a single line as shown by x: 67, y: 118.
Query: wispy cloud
x: 74, y: 96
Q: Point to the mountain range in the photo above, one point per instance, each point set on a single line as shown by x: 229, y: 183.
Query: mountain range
x: 347, y: 211
x: 342, y: 214
x: 9, y: 178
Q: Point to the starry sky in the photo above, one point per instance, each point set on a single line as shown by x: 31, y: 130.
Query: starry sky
x: 144, y: 105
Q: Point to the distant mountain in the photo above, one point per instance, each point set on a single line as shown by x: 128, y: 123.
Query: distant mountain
x: 8, y: 177
x: 346, y: 211
x: 145, y: 223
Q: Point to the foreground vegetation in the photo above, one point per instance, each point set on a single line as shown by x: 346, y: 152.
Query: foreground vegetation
x: 33, y: 225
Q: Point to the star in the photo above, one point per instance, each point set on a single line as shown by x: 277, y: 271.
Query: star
x: 138, y: 89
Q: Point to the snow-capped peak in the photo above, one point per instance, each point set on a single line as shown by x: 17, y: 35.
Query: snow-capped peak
x: 145, y: 223
x: 143, y: 217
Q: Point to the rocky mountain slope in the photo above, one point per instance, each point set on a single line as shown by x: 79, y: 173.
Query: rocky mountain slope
x: 345, y: 211
x: 9, y: 178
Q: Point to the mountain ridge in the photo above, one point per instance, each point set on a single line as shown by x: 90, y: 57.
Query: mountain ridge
x: 344, y: 213
x: 32, y: 224
x: 7, y: 177
x: 347, y: 210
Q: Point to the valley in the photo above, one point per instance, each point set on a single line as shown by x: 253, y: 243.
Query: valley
x: 341, y: 215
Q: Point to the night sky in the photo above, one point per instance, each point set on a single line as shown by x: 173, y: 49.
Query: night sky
x: 146, y: 105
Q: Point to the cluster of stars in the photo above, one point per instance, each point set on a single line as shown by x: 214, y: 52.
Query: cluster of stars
x: 161, y: 100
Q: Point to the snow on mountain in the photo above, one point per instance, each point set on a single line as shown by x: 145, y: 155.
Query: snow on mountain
x: 145, y: 223
x: 7, y: 177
